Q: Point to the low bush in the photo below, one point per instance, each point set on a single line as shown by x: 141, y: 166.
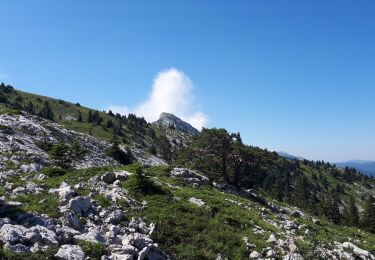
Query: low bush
x: 93, y: 250
x: 53, y: 172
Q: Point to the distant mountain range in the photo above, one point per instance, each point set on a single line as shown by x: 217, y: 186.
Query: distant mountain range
x: 289, y: 156
x: 366, y: 167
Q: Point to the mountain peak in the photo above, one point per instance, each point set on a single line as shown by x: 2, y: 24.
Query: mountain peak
x: 168, y: 119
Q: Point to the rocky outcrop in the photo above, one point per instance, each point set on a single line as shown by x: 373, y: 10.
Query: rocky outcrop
x: 22, y: 143
x: 189, y: 176
x: 83, y: 219
x: 172, y: 121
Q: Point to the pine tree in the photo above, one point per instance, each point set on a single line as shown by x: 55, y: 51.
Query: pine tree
x: 118, y: 154
x: 109, y: 123
x: 60, y: 153
x: 110, y: 113
x: 368, y: 219
x: 165, y: 148
x: 46, y: 111
x: 351, y: 214
x: 331, y: 208
x: 89, y: 118
x: 79, y: 119
x: 30, y: 107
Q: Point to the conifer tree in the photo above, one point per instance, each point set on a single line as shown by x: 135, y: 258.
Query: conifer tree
x: 368, y: 219
x: 30, y: 107
x: 79, y: 119
x: 351, y: 214
x: 46, y: 111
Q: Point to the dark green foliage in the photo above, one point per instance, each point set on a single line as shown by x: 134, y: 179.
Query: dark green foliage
x: 165, y: 148
x: 76, y: 150
x: 139, y: 183
x: 95, y: 118
x: 110, y: 113
x: 53, y: 172
x: 93, y: 250
x: 119, y: 155
x: 351, y: 214
x: 60, y: 153
x: 63, y: 154
x: 152, y: 150
x: 46, y: 111
x: 3, y: 98
x: 89, y: 117
x: 368, y: 219
x: 109, y: 123
x: 79, y: 118
x: 30, y: 107
x: 330, y: 208
x: 6, y: 88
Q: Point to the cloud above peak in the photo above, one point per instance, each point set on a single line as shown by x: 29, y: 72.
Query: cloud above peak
x: 172, y: 92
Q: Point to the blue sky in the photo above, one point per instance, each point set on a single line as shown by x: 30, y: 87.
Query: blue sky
x: 296, y: 76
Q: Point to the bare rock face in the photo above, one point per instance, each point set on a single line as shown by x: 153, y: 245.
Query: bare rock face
x: 23, y: 135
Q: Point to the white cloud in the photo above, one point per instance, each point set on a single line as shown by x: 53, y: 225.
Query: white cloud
x: 172, y: 92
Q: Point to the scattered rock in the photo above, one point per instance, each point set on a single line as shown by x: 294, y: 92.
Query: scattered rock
x: 70, y: 252
x: 65, y: 191
x: 196, y: 201
x: 108, y: 177
x: 80, y: 205
x: 255, y: 255
x: 361, y: 253
x: 272, y: 239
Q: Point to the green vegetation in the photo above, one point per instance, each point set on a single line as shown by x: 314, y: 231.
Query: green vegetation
x: 119, y: 155
x: 64, y: 154
x: 43, y: 203
x: 317, y: 187
x: 53, y: 172
x: 138, y: 183
x: 187, y: 231
x: 93, y: 250
x: 103, y: 201
x: 45, y: 255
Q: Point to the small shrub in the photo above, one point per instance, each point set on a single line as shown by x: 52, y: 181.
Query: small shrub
x: 139, y: 183
x: 93, y: 250
x: 53, y: 172
x: 44, y: 145
x: 10, y: 111
x: 103, y: 201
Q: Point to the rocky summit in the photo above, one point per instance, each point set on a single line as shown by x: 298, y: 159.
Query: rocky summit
x: 81, y: 184
x: 172, y: 121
